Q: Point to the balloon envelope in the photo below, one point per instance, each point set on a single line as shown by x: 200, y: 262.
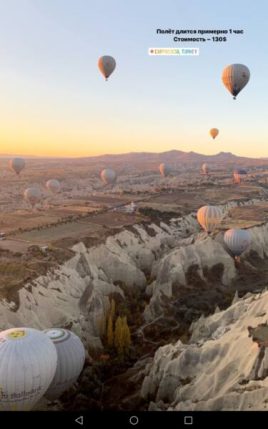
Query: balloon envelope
x: 235, y: 77
x: 205, y: 169
x: 28, y: 361
x: 165, y: 169
x: 238, y: 174
x: 108, y: 176
x: 209, y: 217
x: 71, y: 359
x: 106, y: 65
x: 237, y: 177
x: 214, y: 132
x: 17, y: 164
x: 237, y: 240
x: 53, y: 185
x: 32, y: 195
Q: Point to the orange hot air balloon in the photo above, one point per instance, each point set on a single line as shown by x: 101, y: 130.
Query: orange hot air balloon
x: 214, y: 132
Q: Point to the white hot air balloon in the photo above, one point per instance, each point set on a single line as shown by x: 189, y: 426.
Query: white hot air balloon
x: 28, y: 361
x: 165, y: 169
x: 108, y: 176
x: 71, y: 359
x: 214, y: 132
x: 32, y: 195
x: 17, y: 165
x: 237, y: 240
x: 53, y: 186
x: 106, y: 65
x: 205, y: 169
x: 235, y: 77
x: 209, y: 217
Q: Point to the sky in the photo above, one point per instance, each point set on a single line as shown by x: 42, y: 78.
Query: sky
x: 55, y: 102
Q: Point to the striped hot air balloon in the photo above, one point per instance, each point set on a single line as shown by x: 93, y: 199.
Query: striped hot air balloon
x: 108, y: 176
x: 235, y: 77
x: 165, y: 169
x: 17, y: 165
x: 28, y: 361
x: 71, y: 359
x: 209, y: 217
x: 32, y: 195
x: 237, y: 240
x: 53, y: 186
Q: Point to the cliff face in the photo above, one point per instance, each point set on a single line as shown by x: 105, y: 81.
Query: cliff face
x: 77, y: 293
x: 158, y: 260
x: 172, y: 272
x: 220, y: 369
x: 181, y: 273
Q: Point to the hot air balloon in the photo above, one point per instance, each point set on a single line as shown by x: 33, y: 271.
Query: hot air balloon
x: 214, y: 132
x: 17, y: 165
x: 28, y: 361
x: 238, y: 174
x: 235, y: 77
x: 106, y: 65
x: 237, y: 240
x: 108, y: 176
x: 209, y: 217
x: 236, y: 177
x: 165, y: 169
x: 53, y: 185
x: 32, y: 195
x: 71, y: 359
x: 205, y: 169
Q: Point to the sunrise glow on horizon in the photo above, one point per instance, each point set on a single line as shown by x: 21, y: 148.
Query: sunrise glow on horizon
x: 55, y: 102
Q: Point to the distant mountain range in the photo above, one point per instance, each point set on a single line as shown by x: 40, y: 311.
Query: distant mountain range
x: 151, y: 158
x: 177, y: 156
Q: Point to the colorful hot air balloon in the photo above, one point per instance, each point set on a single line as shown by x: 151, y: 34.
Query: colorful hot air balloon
x: 237, y: 240
x: 17, y: 165
x: 205, y: 169
x: 108, y: 176
x: 53, y: 186
x: 106, y: 65
x: 165, y: 169
x: 28, y: 361
x: 32, y: 195
x: 71, y: 359
x: 214, y: 132
x: 235, y: 77
x: 209, y: 217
